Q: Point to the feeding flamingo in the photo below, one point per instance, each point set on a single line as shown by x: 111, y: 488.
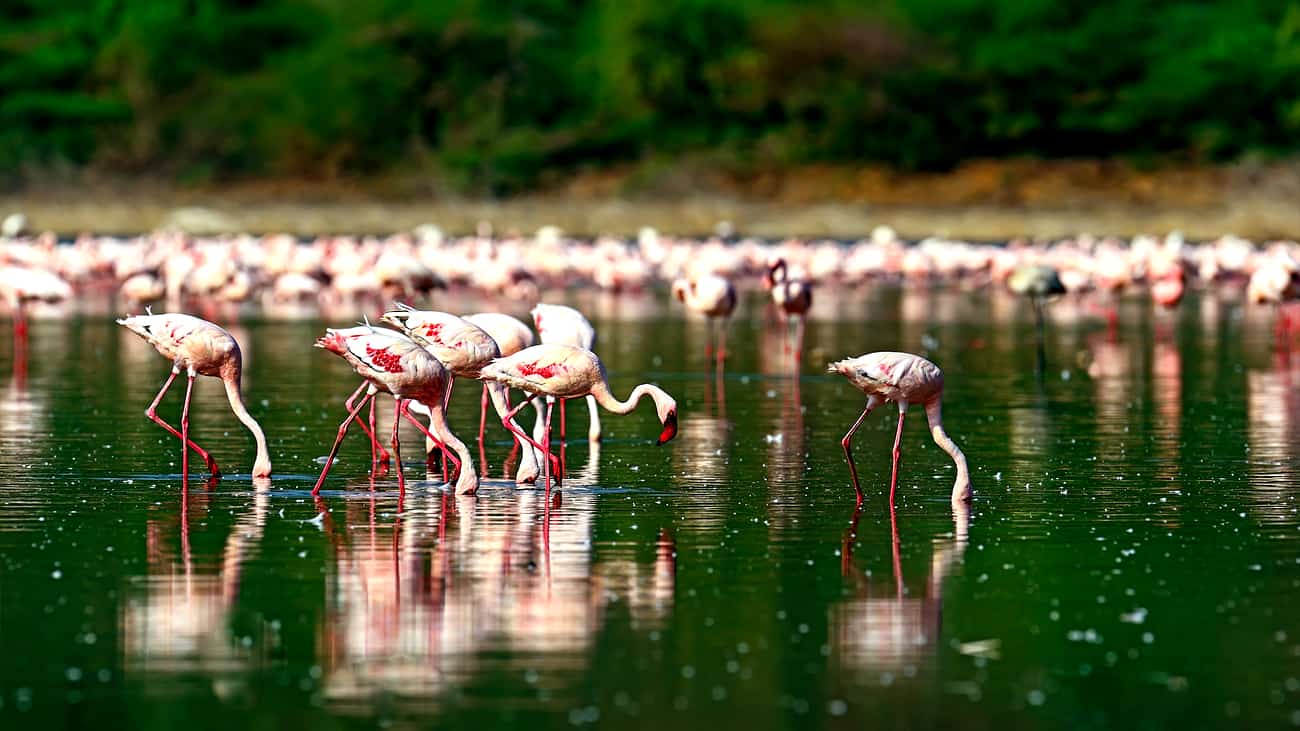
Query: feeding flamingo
x: 563, y: 325
x: 393, y: 364
x: 463, y: 348
x: 201, y: 348
x: 712, y: 296
x: 904, y: 379
x: 793, y: 297
x: 564, y: 372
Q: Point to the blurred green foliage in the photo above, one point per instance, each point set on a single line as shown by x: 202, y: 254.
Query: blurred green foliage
x: 496, y: 94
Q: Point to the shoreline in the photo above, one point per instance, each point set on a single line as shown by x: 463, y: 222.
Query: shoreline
x: 984, y: 200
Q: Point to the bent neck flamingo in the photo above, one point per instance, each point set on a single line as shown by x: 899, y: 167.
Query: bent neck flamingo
x: 201, y: 348
x: 904, y: 379
x: 793, y: 298
x: 565, y: 372
x: 402, y: 368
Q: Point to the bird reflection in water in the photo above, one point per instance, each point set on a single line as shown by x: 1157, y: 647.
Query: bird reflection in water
x: 890, y: 633
x: 457, y: 587
x: 177, y: 617
x: 1272, y: 414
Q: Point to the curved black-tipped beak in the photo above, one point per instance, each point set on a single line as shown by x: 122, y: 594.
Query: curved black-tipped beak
x: 670, y: 429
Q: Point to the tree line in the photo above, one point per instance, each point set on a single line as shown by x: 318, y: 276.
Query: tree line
x: 496, y: 95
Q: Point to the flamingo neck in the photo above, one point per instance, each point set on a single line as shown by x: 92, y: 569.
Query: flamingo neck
x: 262, y: 463
x: 961, y: 488
x: 600, y: 391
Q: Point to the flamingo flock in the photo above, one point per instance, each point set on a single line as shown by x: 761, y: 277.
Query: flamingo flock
x: 416, y: 355
x: 331, y: 272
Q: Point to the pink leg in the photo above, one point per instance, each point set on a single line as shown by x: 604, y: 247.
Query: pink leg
x: 872, y: 403
x: 406, y: 411
x: 798, y: 340
x: 482, y: 426
x: 482, y: 414
x: 343, y: 430
x: 375, y: 446
x: 898, y: 441
x: 509, y: 417
x: 550, y: 409
x: 185, y: 429
x: 397, y: 453
x: 152, y: 413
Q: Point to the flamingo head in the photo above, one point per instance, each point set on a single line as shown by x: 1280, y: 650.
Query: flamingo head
x: 142, y: 325
x: 667, y: 409
x: 335, y: 341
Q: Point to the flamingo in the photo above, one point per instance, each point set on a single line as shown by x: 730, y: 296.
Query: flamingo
x: 564, y: 372
x: 562, y: 325
x: 904, y: 379
x: 1037, y: 282
x: 20, y: 285
x: 793, y: 297
x: 393, y: 364
x: 200, y: 347
x: 712, y: 296
x: 463, y: 348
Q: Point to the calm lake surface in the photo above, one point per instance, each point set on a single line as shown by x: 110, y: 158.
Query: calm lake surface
x: 1131, y: 558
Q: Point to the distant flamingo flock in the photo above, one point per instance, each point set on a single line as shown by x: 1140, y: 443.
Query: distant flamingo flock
x: 416, y: 355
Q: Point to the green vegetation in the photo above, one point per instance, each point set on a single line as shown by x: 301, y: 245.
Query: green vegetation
x: 493, y: 95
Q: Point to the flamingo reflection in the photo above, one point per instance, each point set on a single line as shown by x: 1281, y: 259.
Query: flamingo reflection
x: 455, y: 586
x: 890, y: 631
x: 177, y: 617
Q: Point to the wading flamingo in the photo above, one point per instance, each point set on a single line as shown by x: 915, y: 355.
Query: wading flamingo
x: 1037, y: 282
x: 463, y: 348
x: 715, y: 298
x: 563, y: 325
x: 396, y: 365
x: 564, y: 372
x: 199, y: 347
x: 793, y: 298
x: 904, y: 379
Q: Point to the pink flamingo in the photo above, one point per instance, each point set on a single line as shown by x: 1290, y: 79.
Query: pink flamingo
x: 463, y: 348
x: 199, y: 347
x: 562, y: 325
x: 714, y: 297
x: 793, y: 297
x: 564, y: 372
x: 904, y: 379
x: 393, y: 364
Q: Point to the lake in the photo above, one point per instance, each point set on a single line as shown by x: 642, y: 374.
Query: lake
x: 1129, y: 559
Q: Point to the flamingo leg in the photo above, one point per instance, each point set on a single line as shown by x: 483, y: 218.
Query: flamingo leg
x: 446, y: 406
x: 550, y: 410
x: 429, y: 435
x: 545, y: 451
x: 798, y: 340
x: 872, y: 403
x: 375, y: 446
x: 397, y: 453
x: 185, y: 428
x: 482, y: 427
x: 722, y: 342
x: 898, y: 441
x: 343, y: 431
x: 482, y: 413
x: 152, y: 413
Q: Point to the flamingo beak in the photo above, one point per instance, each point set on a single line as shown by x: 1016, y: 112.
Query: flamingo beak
x: 670, y: 429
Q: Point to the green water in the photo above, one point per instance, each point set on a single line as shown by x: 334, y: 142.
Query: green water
x: 1130, y: 559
